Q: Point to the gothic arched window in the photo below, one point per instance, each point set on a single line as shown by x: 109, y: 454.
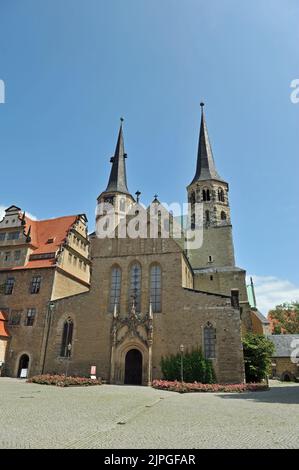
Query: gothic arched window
x: 220, y: 195
x: 209, y: 341
x: 135, y: 286
x: 155, y: 287
x: 223, y: 215
x: 206, y: 195
x: 67, y: 338
x: 115, y: 287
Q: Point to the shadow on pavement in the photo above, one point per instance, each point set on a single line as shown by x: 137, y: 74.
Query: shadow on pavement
x: 285, y: 394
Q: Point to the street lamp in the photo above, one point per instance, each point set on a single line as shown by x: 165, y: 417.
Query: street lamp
x: 69, y: 350
x: 182, y: 362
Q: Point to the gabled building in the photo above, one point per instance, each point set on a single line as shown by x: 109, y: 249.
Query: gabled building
x: 285, y: 363
x: 40, y: 261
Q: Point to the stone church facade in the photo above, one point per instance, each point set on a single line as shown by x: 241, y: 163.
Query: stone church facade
x: 143, y: 297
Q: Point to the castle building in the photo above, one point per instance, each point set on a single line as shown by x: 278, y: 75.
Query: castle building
x: 40, y: 261
x: 145, y: 296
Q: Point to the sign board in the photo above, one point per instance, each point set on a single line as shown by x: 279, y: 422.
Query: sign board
x: 23, y: 373
x: 93, y: 372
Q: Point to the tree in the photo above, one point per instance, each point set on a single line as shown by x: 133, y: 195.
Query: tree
x: 258, y: 350
x: 284, y: 319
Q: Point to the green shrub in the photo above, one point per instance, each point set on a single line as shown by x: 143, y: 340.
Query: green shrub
x: 258, y: 351
x: 195, y: 367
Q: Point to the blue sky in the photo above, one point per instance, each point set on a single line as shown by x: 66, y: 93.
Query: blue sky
x: 71, y: 68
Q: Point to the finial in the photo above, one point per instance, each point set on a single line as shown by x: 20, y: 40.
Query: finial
x: 202, y: 104
x: 137, y: 196
x: 156, y: 196
x: 121, y: 120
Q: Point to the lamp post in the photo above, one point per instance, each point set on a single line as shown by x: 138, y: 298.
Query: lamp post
x: 182, y: 362
x: 51, y: 306
x: 69, y: 351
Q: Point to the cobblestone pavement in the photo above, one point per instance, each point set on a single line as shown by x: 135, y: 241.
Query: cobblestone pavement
x: 114, y: 417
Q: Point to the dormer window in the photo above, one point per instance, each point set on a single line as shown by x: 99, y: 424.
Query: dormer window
x: 50, y: 240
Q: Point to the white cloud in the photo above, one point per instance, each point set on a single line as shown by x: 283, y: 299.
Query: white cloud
x: 271, y: 291
x: 5, y: 206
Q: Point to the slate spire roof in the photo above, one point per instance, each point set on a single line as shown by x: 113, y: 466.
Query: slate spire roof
x: 205, y: 169
x: 118, y: 177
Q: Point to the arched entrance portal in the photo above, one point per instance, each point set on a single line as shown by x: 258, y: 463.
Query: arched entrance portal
x: 23, y: 366
x: 133, y: 367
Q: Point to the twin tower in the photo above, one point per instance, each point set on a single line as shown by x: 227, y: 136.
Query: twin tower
x: 207, y: 187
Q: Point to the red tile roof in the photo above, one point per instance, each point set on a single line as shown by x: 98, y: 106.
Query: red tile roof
x: 40, y: 232
x: 3, y: 331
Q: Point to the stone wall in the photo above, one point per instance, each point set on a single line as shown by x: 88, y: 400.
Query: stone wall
x: 184, y: 314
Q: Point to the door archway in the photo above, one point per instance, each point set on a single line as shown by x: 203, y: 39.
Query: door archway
x: 23, y: 365
x: 133, y: 367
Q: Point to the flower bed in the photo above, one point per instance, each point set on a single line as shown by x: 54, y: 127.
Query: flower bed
x: 199, y: 387
x: 63, y: 381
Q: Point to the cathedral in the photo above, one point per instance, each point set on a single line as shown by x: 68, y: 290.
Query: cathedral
x: 112, y: 306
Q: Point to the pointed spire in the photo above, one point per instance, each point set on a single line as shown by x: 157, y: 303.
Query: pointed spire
x: 205, y: 169
x: 118, y: 178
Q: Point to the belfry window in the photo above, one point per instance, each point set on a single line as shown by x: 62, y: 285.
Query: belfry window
x: 67, y: 338
x: 155, y: 288
x: 223, y: 215
x: 135, y: 286
x: 192, y: 198
x: 220, y: 195
x: 209, y: 341
x: 115, y: 288
x: 207, y: 217
x: 206, y: 195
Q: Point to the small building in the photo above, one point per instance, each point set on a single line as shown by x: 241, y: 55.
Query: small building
x: 40, y: 261
x: 284, y: 366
